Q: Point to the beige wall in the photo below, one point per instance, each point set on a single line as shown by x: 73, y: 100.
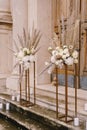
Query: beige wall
x: 5, y: 38
x: 44, y: 23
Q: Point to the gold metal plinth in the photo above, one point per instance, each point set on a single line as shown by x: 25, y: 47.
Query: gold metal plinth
x: 26, y: 100
x: 65, y: 117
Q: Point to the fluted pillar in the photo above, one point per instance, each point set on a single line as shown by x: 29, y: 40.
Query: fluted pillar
x: 5, y: 38
x: 19, y: 10
x: 40, y: 14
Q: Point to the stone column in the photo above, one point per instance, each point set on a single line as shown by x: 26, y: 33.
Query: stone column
x: 44, y: 23
x: 19, y: 11
x: 5, y: 41
x: 40, y: 14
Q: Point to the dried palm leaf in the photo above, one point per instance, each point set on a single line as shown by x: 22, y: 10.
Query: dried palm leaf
x: 21, y: 41
x: 16, y: 45
x: 24, y: 36
x: 11, y: 50
x: 45, y: 68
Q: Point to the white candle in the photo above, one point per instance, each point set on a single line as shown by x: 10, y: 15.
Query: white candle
x: 85, y: 107
x: 18, y: 98
x: 1, y: 105
x: 13, y: 97
x: 86, y: 126
x: 76, y: 121
x: 7, y: 106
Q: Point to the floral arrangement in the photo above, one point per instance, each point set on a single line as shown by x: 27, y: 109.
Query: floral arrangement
x: 60, y: 55
x: 28, y: 47
x: 25, y: 56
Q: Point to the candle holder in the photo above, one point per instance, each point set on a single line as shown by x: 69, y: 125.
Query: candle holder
x: 18, y: 98
x: 66, y: 116
x: 76, y: 121
x: 86, y: 125
x: 13, y: 98
x: 26, y: 101
x: 7, y: 106
x: 85, y: 106
x: 1, y: 105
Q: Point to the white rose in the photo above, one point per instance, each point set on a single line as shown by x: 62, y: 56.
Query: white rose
x: 57, y: 48
x: 16, y: 54
x: 49, y: 48
x: 51, y: 69
x: 65, y: 46
x: 32, y: 50
x: 61, y: 52
x: 26, y: 58
x: 53, y: 59
x: 32, y: 58
x: 54, y: 53
x: 47, y: 63
x: 75, y: 54
x: 64, y: 56
x: 25, y: 49
x: 69, y: 61
x: 26, y: 65
x: 65, y: 51
x: 20, y: 54
x: 75, y: 61
x: 71, y: 47
x: 57, y: 62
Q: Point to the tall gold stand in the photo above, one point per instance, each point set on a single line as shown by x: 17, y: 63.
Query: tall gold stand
x: 65, y: 117
x: 26, y: 100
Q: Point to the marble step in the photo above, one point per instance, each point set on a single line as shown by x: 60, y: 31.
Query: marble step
x: 45, y: 96
x: 2, y: 82
x: 29, y: 118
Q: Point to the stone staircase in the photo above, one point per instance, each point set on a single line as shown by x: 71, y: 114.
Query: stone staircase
x: 46, y: 97
x: 29, y: 118
x: 46, y: 105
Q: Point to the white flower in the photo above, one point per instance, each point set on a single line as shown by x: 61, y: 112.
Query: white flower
x: 65, y: 51
x: 53, y: 59
x: 57, y: 48
x: 61, y: 52
x: 20, y: 62
x: 51, y: 69
x: 20, y: 54
x: 76, y: 61
x: 26, y: 65
x: 75, y: 54
x: 32, y: 50
x: 26, y: 58
x: 49, y: 48
x: 47, y: 63
x: 64, y: 56
x: 54, y: 53
x: 25, y: 49
x: 16, y: 54
x: 70, y: 46
x: 32, y: 58
x: 69, y: 61
x: 65, y: 46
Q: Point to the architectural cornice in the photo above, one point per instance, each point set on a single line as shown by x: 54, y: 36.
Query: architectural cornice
x: 5, y: 17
